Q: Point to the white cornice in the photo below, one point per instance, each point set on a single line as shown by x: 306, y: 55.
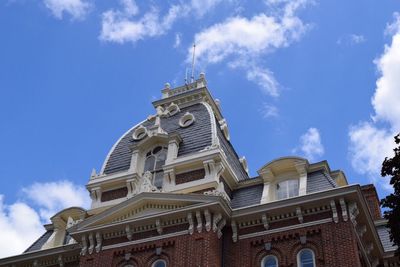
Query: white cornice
x: 286, y: 228
x: 150, y: 239
x: 40, y: 253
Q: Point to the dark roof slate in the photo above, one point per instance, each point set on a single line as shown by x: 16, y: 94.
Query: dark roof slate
x: 383, y: 233
x: 194, y: 138
x: 231, y: 155
x: 316, y: 181
x: 37, y: 245
x: 319, y: 181
x: 247, y: 196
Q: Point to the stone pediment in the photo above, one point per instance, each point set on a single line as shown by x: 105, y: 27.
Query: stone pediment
x: 140, y: 207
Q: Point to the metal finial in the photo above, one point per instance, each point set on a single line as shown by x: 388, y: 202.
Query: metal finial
x: 193, y: 61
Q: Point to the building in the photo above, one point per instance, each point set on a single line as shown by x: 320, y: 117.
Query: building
x: 173, y: 192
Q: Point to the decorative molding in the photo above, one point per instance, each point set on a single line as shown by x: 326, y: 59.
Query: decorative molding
x: 343, y: 207
x: 219, y: 191
x: 334, y: 211
x: 207, y: 216
x: 214, y: 136
x: 173, y: 147
x: 224, y: 128
x: 158, y: 226
x: 199, y: 221
x: 299, y: 214
x: 146, y: 183
x: 234, y: 231
x: 216, y: 219
x: 353, y: 210
x: 95, y: 194
x: 265, y: 220
x: 99, y: 241
x: 128, y: 232
x: 60, y: 261
x: 243, y: 161
x: 144, y: 240
x: 190, y: 221
x: 91, y: 243
x: 84, y: 246
x: 134, y: 161
x: 221, y: 225
x: 286, y: 228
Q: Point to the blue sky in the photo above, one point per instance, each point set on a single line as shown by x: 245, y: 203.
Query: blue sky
x: 313, y: 78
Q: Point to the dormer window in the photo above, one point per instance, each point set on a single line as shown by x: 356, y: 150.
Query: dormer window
x: 139, y: 133
x: 186, y: 120
x: 287, y: 189
x: 155, y: 159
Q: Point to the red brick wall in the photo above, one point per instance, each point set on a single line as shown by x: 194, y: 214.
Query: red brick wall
x: 114, y: 194
x: 333, y: 244
x: 199, y: 249
x: 189, y: 176
x: 372, y: 199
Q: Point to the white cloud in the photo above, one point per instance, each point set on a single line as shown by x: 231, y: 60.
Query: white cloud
x: 369, y: 145
x: 78, y: 9
x: 54, y: 196
x: 269, y: 111
x: 310, y: 145
x: 357, y: 38
x: 21, y: 222
x: 265, y: 79
x: 351, y: 39
x: 177, y: 40
x: 371, y: 142
x: 122, y: 26
x: 20, y: 226
x: 241, y: 41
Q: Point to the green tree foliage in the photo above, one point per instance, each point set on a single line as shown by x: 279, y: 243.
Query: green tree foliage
x: 391, y: 168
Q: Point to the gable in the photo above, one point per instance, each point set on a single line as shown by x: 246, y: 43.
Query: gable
x: 142, y: 206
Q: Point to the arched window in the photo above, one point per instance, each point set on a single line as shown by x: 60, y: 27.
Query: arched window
x: 159, y: 263
x: 155, y: 159
x: 286, y: 189
x: 269, y: 261
x: 305, y: 258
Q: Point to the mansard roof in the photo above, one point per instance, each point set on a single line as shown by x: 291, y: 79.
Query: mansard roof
x: 317, y: 181
x: 195, y: 138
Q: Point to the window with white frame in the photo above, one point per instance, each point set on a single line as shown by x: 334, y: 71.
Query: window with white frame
x: 159, y: 263
x: 287, y: 188
x: 155, y: 159
x: 269, y: 261
x: 306, y: 258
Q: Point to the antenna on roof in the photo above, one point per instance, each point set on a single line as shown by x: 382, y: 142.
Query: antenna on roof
x: 186, y: 76
x: 193, y: 59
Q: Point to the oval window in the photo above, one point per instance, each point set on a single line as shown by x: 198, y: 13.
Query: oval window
x: 186, y: 120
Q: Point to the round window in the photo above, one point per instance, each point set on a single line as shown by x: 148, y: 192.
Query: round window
x: 139, y: 133
x: 186, y: 120
x: 173, y: 109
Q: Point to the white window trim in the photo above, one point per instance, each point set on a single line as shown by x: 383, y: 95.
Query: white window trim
x: 185, y: 117
x: 141, y: 129
x: 298, y: 256
x: 278, y: 181
x: 269, y: 256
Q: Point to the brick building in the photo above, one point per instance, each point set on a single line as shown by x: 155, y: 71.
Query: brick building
x: 173, y: 192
